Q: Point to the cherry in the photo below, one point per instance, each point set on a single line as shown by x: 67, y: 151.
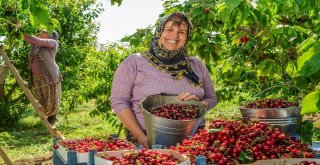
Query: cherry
x: 176, y: 111
x: 143, y: 156
x: 227, y: 140
x: 88, y: 144
x: 271, y: 103
x: 244, y: 39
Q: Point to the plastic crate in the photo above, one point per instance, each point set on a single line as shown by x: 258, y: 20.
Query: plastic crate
x: 62, y: 156
x: 72, y: 159
x: 101, y: 161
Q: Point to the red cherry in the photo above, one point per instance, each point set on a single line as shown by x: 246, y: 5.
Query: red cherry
x: 244, y: 39
x: 56, y: 146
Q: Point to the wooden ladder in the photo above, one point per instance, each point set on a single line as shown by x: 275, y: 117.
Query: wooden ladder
x: 5, y: 157
x: 35, y: 104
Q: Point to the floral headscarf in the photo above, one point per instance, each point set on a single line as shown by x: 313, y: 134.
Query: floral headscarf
x: 174, y: 62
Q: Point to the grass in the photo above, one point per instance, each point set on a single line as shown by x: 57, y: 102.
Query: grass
x: 31, y: 140
x: 224, y: 110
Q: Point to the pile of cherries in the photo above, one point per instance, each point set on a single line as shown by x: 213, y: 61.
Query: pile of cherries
x: 242, y: 142
x: 305, y: 162
x: 143, y: 156
x: 176, y: 111
x: 89, y: 144
x: 271, y: 103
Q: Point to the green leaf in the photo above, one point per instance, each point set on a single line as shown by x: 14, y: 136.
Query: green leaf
x: 291, y: 69
x: 33, y: 9
x: 226, y: 67
x: 311, y: 103
x: 197, y: 11
x: 42, y: 15
x: 25, y: 5
x: 306, y: 44
x: 222, y: 12
x: 258, y: 15
x: 308, y: 63
x: 231, y: 4
x: 214, y: 130
x: 305, y: 129
x: 295, y: 7
x: 39, y: 14
x: 245, y: 11
x: 268, y: 67
x: 113, y: 2
x: 301, y: 29
x: 244, y: 157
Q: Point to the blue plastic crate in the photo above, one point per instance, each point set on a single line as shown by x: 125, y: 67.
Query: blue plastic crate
x: 201, y: 160
x: 71, y: 157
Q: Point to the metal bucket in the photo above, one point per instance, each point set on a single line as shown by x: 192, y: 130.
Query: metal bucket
x: 164, y: 131
x: 286, y: 119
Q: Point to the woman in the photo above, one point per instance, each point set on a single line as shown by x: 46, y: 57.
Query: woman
x: 165, y: 68
x: 45, y: 78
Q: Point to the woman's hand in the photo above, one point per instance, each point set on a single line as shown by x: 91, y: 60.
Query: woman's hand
x: 143, y: 140
x: 184, y: 96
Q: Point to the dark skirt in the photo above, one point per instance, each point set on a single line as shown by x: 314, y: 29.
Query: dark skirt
x: 48, y: 95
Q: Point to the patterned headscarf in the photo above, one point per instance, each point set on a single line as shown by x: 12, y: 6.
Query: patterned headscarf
x: 174, y: 62
x: 54, y: 35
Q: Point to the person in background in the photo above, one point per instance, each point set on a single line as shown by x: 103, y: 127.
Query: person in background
x: 165, y: 68
x: 45, y: 78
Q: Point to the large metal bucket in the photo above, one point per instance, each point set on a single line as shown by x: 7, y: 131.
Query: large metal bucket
x: 287, y: 119
x: 164, y: 131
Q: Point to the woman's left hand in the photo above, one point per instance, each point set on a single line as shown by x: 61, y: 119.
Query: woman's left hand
x: 184, y: 96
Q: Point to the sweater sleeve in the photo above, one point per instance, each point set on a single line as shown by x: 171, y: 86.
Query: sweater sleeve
x: 209, y: 93
x: 49, y: 43
x: 122, y: 85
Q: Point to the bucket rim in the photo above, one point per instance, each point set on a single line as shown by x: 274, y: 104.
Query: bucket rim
x: 288, y: 108
x: 172, y: 120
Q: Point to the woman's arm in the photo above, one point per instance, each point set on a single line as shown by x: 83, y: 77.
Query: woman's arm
x: 128, y: 119
x: 49, y: 43
x: 210, y: 98
x: 121, y: 93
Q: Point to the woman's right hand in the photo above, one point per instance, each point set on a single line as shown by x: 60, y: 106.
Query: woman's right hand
x: 184, y: 96
x: 142, y: 139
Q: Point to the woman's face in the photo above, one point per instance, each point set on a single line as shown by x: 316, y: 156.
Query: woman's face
x: 174, y: 37
x: 43, y: 34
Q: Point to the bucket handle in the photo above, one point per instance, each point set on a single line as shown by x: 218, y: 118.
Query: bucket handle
x: 161, y: 94
x: 277, y: 86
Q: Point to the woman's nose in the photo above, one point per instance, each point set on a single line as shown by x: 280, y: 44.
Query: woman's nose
x: 175, y: 34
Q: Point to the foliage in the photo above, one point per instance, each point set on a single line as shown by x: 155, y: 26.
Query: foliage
x: 306, y: 130
x: 98, y: 71
x: 77, y: 37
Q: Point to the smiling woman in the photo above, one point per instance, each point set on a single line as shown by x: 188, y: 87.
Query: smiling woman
x: 165, y: 68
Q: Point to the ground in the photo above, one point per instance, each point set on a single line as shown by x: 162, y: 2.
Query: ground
x: 45, y: 160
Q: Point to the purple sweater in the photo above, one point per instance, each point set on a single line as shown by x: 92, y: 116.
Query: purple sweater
x: 135, y: 79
